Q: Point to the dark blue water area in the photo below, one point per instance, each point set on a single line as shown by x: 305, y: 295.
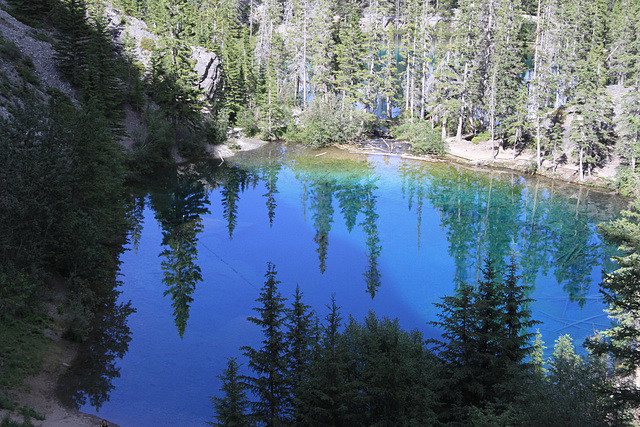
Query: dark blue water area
x: 414, y: 219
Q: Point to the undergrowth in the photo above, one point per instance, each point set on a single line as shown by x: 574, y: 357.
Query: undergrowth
x: 22, y: 346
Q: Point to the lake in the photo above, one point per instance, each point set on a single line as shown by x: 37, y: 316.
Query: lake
x: 381, y: 233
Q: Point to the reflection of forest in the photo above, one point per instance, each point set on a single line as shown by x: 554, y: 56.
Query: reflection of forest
x: 179, y: 205
x: 90, y: 376
x: 494, y: 214
x: 179, y: 199
x: 551, y: 229
x: 353, y: 185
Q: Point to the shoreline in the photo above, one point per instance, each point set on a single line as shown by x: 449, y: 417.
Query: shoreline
x: 463, y: 153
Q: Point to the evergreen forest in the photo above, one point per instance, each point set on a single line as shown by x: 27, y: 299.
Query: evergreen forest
x: 515, y: 72
x: 522, y: 74
x: 487, y: 369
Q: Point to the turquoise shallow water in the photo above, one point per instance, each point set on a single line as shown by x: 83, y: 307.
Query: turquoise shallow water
x: 382, y: 234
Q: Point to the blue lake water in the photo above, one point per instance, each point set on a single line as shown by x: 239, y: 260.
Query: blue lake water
x: 381, y: 233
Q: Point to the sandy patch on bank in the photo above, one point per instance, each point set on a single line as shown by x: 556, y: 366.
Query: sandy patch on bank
x: 38, y: 391
x: 480, y: 154
x: 235, y: 145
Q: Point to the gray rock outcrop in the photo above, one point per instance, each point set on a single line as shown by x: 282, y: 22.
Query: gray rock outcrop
x: 208, y: 68
x: 134, y: 35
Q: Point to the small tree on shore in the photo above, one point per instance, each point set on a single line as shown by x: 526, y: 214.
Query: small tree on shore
x: 231, y: 409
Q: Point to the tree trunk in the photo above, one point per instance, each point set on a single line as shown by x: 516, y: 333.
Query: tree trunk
x: 581, y: 166
x: 493, y: 112
x: 538, y: 148
x: 444, y: 128
x: 462, y: 100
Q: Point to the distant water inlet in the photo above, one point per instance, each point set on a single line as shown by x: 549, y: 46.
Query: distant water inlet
x: 381, y: 233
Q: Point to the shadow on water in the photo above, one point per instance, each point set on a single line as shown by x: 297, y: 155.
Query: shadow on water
x: 404, y: 232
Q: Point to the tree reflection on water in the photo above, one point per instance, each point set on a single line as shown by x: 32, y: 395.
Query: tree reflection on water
x: 90, y: 376
x: 482, y: 215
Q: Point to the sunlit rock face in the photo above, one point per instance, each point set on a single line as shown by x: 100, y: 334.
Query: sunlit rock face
x: 133, y: 34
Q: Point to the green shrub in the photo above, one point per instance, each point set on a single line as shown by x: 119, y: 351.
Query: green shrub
x: 216, y: 126
x: 246, y: 119
x: 423, y: 139
x: 42, y: 37
x: 327, y: 122
x: 27, y: 76
x: 628, y: 183
x: 483, y: 136
x: 7, y: 403
x: 152, y: 147
x: 10, y: 51
x: 147, y: 44
x: 28, y: 412
x: 8, y: 422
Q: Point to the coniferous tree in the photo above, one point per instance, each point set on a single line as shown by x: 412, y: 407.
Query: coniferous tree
x: 71, y: 48
x: 629, y: 127
x: 299, y: 339
x: 269, y: 103
x: 350, y: 58
x: 505, y: 70
x: 31, y: 11
x: 576, y: 386
x: 485, y: 342
x: 628, y: 122
x: 269, y: 363
x: 458, y: 322
x: 620, y: 289
x: 486, y: 363
x: 173, y: 80
x: 101, y: 82
x: 516, y: 318
x: 323, y: 395
x: 623, y: 26
x: 230, y: 410
x: 236, y: 92
x: 389, y: 374
x: 592, y: 132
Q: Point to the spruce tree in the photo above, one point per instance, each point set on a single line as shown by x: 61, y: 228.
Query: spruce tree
x: 389, y: 374
x: 269, y: 363
x: 592, y: 131
x: 230, y: 410
x: 299, y: 334
x: 323, y: 394
x: 350, y: 58
x: 516, y: 318
x: 458, y: 322
x: 102, y: 81
x: 71, y: 47
x: 488, y: 367
x: 485, y: 341
x: 620, y: 289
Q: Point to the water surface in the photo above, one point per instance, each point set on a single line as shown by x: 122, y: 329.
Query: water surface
x: 381, y: 233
